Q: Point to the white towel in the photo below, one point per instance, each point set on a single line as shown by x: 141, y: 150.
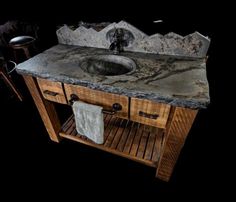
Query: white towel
x: 89, y: 121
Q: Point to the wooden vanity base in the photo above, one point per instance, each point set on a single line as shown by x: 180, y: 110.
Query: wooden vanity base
x: 152, y: 146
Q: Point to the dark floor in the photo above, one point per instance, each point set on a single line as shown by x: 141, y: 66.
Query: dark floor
x: 29, y: 159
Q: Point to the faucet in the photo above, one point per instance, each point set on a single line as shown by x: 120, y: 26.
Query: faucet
x: 118, y: 41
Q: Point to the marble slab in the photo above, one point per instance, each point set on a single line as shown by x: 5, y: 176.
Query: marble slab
x: 193, y: 45
x: 175, y: 80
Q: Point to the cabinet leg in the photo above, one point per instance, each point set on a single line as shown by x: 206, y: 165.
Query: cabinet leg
x: 46, y: 109
x: 177, y: 130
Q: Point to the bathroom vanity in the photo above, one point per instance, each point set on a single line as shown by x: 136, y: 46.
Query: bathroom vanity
x: 158, y: 99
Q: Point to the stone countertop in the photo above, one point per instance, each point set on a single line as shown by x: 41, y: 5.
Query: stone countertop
x: 175, y: 80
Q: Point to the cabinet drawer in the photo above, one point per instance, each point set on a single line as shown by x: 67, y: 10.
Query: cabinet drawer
x: 106, y: 100
x: 52, y: 90
x: 148, y: 112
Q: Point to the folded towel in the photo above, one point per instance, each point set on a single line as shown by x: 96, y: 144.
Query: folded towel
x: 89, y: 121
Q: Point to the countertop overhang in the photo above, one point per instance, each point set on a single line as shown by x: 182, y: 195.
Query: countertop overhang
x: 175, y: 80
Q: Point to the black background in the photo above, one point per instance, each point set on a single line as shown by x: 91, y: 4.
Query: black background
x: 30, y: 158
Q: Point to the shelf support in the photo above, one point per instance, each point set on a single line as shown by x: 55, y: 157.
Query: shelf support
x: 46, y: 109
x: 178, y: 127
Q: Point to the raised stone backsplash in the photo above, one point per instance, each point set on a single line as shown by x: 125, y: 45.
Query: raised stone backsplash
x: 193, y: 45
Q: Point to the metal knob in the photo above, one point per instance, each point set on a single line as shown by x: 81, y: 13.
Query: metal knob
x: 116, y: 107
x: 73, y: 98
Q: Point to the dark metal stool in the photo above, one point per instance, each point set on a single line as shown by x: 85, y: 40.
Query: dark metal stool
x: 23, y: 43
x: 6, y: 77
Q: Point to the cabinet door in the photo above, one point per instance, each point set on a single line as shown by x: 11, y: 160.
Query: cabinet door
x: 149, y: 113
x: 100, y: 98
x: 52, y: 90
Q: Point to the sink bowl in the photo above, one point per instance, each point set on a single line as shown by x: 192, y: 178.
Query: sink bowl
x: 107, y: 65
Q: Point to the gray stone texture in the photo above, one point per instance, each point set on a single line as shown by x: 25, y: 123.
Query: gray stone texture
x: 176, y: 80
x: 193, y: 45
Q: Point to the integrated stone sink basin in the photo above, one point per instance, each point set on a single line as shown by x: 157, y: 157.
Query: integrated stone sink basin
x: 107, y: 65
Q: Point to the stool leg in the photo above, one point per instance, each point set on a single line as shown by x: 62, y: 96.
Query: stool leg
x: 15, y: 56
x: 26, y: 50
x: 12, y: 86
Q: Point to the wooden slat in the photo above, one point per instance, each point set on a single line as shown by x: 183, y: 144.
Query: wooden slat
x: 131, y: 138
x: 71, y: 128
x: 68, y: 123
x: 113, y: 132
x: 136, y: 141
x: 150, y: 144
x: 46, y: 109
x: 109, y: 127
x: 150, y: 108
x: 119, y: 134
x: 106, y: 119
x: 74, y: 132
x: 175, y: 136
x: 123, y: 139
x: 143, y: 142
x: 100, y: 98
x: 113, y: 151
x: 124, y: 135
x: 157, y: 145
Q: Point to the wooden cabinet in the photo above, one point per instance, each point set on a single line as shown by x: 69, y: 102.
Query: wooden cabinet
x: 145, y: 131
x: 52, y: 90
x: 138, y: 110
x: 149, y: 113
x: 96, y: 97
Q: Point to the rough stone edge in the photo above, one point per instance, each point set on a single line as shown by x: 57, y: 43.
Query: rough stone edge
x: 156, y: 43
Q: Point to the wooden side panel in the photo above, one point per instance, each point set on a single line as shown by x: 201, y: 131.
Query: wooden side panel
x: 106, y: 100
x: 45, y: 108
x: 174, y: 139
x: 52, y: 90
x: 144, y: 111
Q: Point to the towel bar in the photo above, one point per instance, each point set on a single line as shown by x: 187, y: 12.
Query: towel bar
x: 115, y: 107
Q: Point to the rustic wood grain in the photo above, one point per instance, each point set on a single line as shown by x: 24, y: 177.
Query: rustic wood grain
x: 157, y: 145
x: 150, y: 143
x: 123, y: 139
x: 174, y: 139
x: 130, y: 138
x: 45, y: 108
x: 112, y: 133
x: 118, y: 132
x: 106, y: 100
x: 149, y: 107
x: 143, y: 143
x: 109, y: 127
x: 52, y: 86
x: 136, y: 141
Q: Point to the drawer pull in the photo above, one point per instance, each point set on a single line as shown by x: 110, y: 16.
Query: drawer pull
x: 117, y: 107
x: 48, y: 92
x: 108, y: 112
x: 146, y: 115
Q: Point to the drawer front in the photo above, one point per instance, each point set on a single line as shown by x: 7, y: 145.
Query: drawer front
x: 52, y: 90
x: 106, y: 100
x: 149, y: 113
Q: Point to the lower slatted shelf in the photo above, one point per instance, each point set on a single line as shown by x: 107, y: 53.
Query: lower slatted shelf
x: 123, y: 137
